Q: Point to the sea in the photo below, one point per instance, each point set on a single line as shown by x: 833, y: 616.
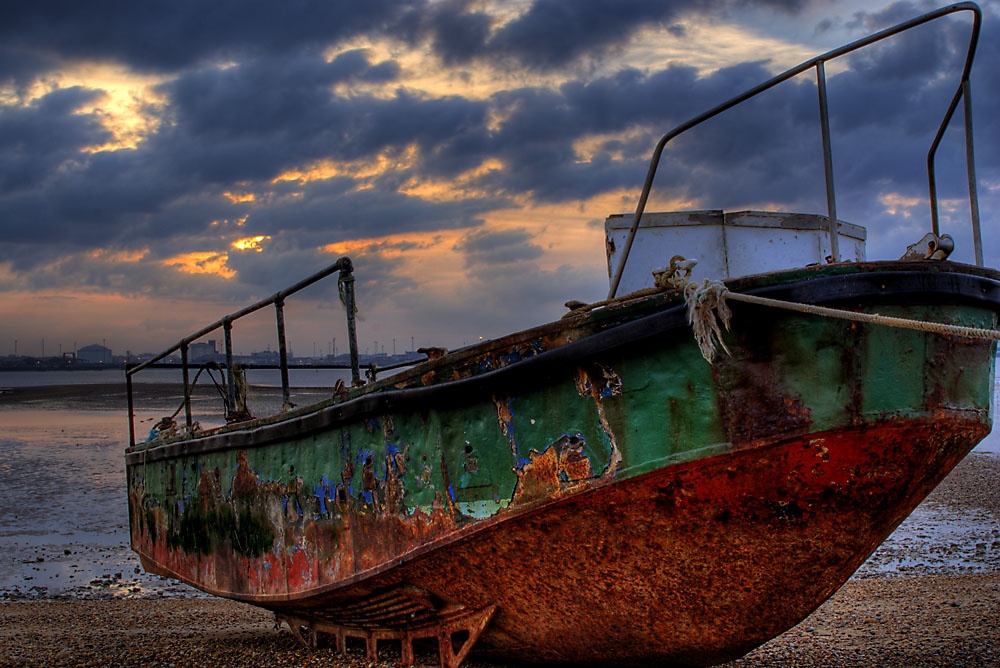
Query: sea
x: 63, y: 509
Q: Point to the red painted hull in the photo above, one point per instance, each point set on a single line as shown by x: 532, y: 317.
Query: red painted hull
x: 693, y: 564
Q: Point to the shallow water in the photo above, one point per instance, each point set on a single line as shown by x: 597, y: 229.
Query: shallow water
x: 63, y: 516
x: 64, y: 523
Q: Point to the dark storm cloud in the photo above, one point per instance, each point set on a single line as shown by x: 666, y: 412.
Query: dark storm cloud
x: 551, y: 33
x: 333, y: 210
x: 18, y: 69
x: 172, y: 35
x: 168, y: 35
x: 274, y: 106
x: 497, y: 247
x: 36, y: 140
x: 536, y: 139
x: 257, y: 119
x: 767, y: 151
x: 232, y: 128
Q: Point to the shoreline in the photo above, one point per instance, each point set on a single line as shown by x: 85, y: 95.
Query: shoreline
x: 100, y: 393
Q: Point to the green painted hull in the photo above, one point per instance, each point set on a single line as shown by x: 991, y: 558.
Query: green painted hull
x: 596, y: 470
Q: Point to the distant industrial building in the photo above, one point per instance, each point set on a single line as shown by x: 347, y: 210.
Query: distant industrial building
x: 94, y: 354
x: 202, y: 352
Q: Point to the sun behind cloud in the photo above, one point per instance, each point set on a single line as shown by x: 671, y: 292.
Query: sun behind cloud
x: 251, y: 243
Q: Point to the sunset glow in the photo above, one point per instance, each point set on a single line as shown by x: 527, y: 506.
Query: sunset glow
x: 464, y: 154
x: 251, y: 243
x: 206, y: 262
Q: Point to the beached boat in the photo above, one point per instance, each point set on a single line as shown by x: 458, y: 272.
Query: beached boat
x: 606, y: 488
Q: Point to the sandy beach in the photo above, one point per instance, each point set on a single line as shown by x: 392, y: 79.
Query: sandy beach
x: 71, y: 592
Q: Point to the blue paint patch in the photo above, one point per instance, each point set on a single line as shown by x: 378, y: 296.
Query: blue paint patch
x: 451, y: 493
x: 368, y: 497
x: 512, y: 358
x: 322, y: 491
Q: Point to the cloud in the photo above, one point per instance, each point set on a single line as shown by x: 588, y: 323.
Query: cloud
x: 322, y: 125
x: 173, y: 35
x: 36, y: 140
x: 551, y: 34
x: 497, y: 247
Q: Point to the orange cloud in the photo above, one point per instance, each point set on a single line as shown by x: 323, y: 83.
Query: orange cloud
x: 239, y: 198
x: 118, y: 256
x: 238, y: 222
x: 390, y: 160
x: 896, y: 203
x: 201, y: 262
x: 454, y: 188
x: 251, y: 243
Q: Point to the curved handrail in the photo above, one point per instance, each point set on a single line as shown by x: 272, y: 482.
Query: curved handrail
x: 818, y: 62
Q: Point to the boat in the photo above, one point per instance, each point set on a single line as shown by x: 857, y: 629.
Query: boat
x: 673, y: 475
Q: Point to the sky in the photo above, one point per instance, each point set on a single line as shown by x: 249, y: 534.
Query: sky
x: 164, y: 163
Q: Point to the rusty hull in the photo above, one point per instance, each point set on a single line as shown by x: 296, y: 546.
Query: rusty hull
x: 695, y: 564
x: 592, y: 491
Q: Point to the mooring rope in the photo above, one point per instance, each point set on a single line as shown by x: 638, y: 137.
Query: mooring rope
x: 706, y: 302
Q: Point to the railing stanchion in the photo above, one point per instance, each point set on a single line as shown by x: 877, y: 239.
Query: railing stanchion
x: 831, y: 197
x: 227, y: 329
x: 131, y: 409
x: 970, y: 161
x: 187, y: 386
x: 817, y: 62
x: 279, y: 314
x: 346, y: 287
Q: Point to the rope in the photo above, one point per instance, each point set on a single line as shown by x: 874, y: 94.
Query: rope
x: 706, y: 304
x: 873, y: 318
x: 707, y: 301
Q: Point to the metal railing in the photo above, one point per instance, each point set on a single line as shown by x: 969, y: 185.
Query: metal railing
x: 346, y: 290
x: 962, y: 94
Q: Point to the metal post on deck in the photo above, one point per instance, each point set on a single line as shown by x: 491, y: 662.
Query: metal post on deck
x: 227, y: 329
x: 831, y: 198
x: 279, y: 314
x: 970, y: 162
x: 187, y: 385
x: 346, y: 285
x: 131, y: 409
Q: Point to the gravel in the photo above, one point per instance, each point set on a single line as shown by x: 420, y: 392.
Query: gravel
x: 900, y: 621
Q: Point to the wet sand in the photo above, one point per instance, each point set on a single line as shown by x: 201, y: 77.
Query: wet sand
x: 70, y: 594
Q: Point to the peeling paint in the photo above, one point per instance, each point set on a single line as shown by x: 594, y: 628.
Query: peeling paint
x: 683, y: 491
